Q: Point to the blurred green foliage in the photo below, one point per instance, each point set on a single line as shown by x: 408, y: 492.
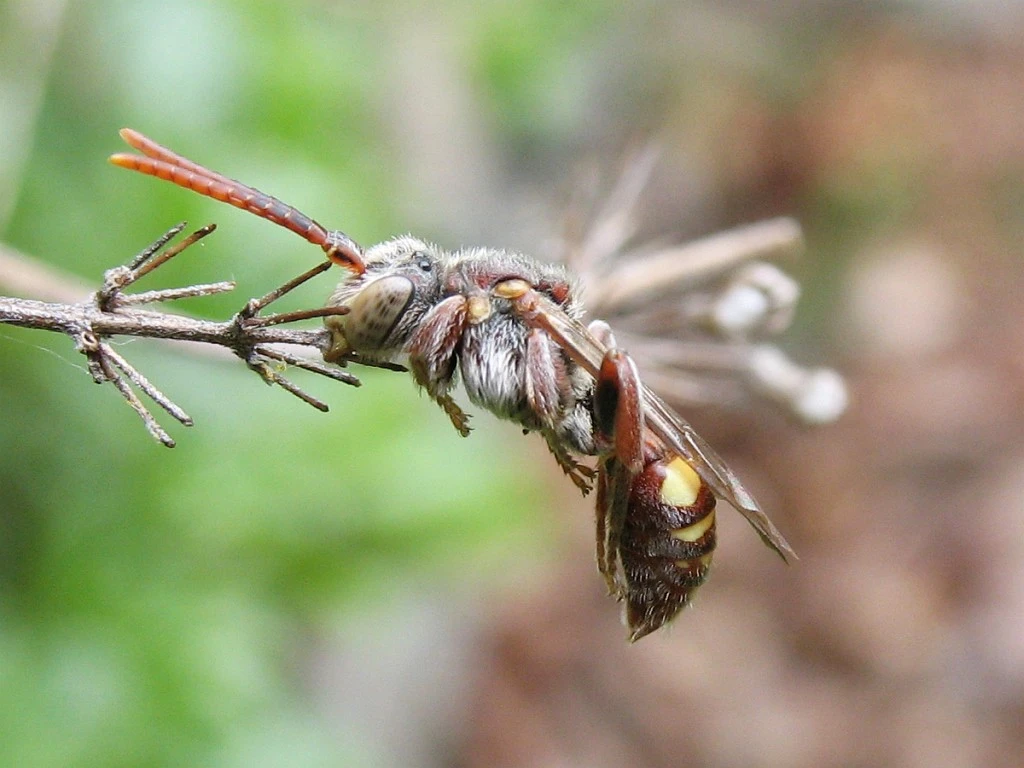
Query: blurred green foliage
x: 158, y: 607
x: 150, y: 599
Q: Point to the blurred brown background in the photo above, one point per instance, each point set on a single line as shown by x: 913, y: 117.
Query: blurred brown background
x: 268, y: 596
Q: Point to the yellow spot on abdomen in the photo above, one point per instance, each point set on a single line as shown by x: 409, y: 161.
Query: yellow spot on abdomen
x: 703, y: 562
x: 695, y: 532
x: 681, y: 484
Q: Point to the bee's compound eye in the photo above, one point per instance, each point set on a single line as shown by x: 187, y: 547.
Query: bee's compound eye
x: 374, y: 311
x: 423, y: 262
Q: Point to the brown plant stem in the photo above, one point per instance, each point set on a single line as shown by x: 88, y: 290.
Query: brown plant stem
x: 111, y: 312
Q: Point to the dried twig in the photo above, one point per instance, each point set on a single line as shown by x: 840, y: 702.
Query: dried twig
x: 112, y: 312
x: 695, y: 316
x: 642, y: 279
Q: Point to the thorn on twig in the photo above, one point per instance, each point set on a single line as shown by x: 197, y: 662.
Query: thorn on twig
x: 291, y: 317
x: 151, y: 424
x: 145, y: 254
x: 172, y: 294
x: 174, y: 250
x: 270, y: 376
x: 256, y: 358
x: 254, y: 306
x: 111, y: 312
x: 355, y: 357
x: 136, y: 377
x: 87, y: 343
x: 100, y: 357
x: 118, y: 278
x: 310, y: 365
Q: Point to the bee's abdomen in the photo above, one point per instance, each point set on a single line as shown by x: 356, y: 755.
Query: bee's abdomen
x: 667, y: 542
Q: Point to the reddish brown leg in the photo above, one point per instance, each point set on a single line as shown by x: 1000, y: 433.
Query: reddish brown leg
x: 580, y: 474
x: 545, y: 377
x: 618, y: 431
x: 546, y: 386
x: 432, y: 355
x: 618, y: 412
x: 613, y: 485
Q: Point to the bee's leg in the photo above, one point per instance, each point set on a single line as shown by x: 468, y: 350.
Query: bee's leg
x: 547, y: 388
x: 606, y: 569
x: 618, y: 432
x: 547, y: 382
x: 432, y: 355
x: 618, y: 413
x: 580, y: 474
x: 613, y: 487
x: 458, y: 417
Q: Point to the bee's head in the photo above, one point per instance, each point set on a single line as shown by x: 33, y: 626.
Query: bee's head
x: 386, y: 302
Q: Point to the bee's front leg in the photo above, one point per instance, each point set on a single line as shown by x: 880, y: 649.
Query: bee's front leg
x: 432, y: 355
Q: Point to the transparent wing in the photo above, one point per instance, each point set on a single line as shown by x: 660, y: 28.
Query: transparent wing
x: 667, y: 426
x: 679, y: 436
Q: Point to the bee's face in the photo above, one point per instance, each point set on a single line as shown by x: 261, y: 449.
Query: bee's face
x: 403, y: 279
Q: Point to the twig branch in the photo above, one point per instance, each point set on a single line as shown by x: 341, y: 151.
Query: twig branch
x: 112, y: 312
x: 643, y: 279
x: 128, y: 321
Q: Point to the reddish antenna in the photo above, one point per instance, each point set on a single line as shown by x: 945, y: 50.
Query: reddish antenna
x: 157, y: 160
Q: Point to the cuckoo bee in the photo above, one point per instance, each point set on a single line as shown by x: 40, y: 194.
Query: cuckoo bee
x: 512, y: 329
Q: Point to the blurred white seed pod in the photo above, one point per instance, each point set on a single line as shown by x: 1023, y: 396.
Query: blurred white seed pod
x: 695, y: 316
